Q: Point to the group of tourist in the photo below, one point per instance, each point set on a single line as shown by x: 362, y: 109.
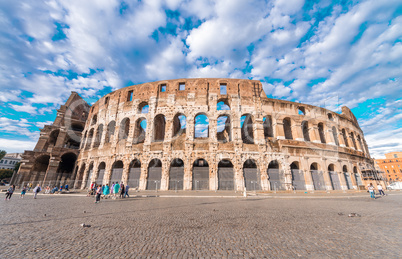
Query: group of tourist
x: 115, y: 191
x: 24, y: 190
x: 371, y: 190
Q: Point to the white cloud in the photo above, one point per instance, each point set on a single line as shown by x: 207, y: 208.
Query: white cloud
x: 16, y: 146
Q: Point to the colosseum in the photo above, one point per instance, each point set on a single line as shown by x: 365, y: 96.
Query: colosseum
x: 214, y: 134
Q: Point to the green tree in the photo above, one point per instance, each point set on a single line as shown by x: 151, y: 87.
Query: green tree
x: 2, y: 154
x: 6, y: 173
x: 17, y: 166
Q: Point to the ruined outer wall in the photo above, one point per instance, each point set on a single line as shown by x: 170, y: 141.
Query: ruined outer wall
x: 202, y: 96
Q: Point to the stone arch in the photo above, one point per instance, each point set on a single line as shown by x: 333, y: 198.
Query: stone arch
x: 318, y: 176
x: 66, y: 167
x: 117, y: 172
x: 94, y: 119
x: 247, y: 130
x: 176, y: 174
x: 251, y: 175
x: 40, y: 167
x: 53, y: 137
x: 77, y: 127
x: 98, y: 136
x: 287, y: 128
x: 201, y: 126
x: 134, y: 174
x: 305, y: 130
x: 89, y: 139
x: 143, y: 107
x: 140, y: 130
x: 298, y: 181
x: 81, y: 171
x: 301, y: 110
x: 276, y: 176
x: 110, y: 131
x: 268, y: 128
x: 179, y: 125
x: 88, y: 180
x: 334, y: 177
x: 200, y: 174
x: 101, y: 173
x: 223, y: 104
x: 352, y: 136
x: 335, y: 134
x: 358, y: 178
x: 359, y: 141
x: 225, y: 175
x: 159, y: 128
x: 321, y: 132
x: 345, y: 138
x: 124, y: 129
x: 330, y: 117
x: 348, y: 179
x: 224, y: 132
x: 154, y: 174
x: 83, y: 140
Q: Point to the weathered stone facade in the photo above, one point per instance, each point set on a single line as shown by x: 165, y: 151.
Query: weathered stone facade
x: 262, y: 143
x: 54, y: 157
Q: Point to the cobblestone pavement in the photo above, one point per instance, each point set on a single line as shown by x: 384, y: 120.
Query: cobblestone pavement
x: 208, y: 227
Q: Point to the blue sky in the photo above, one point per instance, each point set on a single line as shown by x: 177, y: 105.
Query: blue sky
x: 325, y: 53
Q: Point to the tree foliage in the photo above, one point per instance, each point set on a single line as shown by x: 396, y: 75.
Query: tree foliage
x: 2, y: 154
x: 6, y: 173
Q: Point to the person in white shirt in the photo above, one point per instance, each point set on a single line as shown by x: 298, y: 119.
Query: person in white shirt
x: 371, y: 191
x: 379, y: 188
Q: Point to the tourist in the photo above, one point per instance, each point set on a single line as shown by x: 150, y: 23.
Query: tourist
x: 380, y: 191
x: 61, y: 188
x: 112, y: 187
x: 126, y: 191
x: 66, y: 188
x: 23, y: 191
x: 106, y: 191
x: 29, y: 186
x: 122, y: 190
x: 36, y: 190
x: 98, y: 194
x: 371, y: 191
x: 10, y: 192
x: 116, y: 189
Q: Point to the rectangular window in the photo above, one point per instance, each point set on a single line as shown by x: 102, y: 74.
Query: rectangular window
x: 163, y: 88
x: 182, y: 86
x: 129, y: 96
x: 106, y: 100
x: 223, y: 89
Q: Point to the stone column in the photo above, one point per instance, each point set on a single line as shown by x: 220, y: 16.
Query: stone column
x: 188, y: 176
x: 341, y: 139
x: 165, y: 175
x: 314, y: 135
x: 263, y: 167
x: 342, y: 179
x: 61, y: 139
x: 108, y: 174
x: 288, y: 176
x: 278, y: 126
x: 307, y: 175
x: 144, y: 175
x: 329, y: 136
x: 51, y: 172
x: 84, y: 178
x: 327, y: 178
x: 297, y: 131
x: 126, y: 170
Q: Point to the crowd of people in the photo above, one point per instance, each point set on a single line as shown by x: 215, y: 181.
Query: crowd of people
x: 114, y: 191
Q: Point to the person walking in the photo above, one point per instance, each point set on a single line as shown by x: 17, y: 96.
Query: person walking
x: 380, y: 190
x: 371, y: 191
x: 122, y: 191
x: 106, y: 191
x: 66, y: 188
x: 126, y: 191
x: 116, y: 189
x: 23, y: 191
x: 29, y: 186
x: 10, y: 192
x: 98, y: 193
x: 36, y: 190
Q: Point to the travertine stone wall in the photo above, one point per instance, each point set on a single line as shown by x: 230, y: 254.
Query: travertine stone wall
x: 201, y: 96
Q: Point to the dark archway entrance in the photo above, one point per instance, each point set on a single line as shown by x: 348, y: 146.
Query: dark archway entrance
x: 225, y: 175
x: 298, y: 181
x: 318, y: 177
x: 200, y: 175
x: 134, y: 174
x: 252, y: 179
x: 276, y: 176
x: 176, y: 174
x: 154, y: 174
x: 101, y: 173
x: 336, y: 184
x: 117, y: 172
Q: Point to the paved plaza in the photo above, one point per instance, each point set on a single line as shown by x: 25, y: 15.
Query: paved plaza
x: 271, y: 226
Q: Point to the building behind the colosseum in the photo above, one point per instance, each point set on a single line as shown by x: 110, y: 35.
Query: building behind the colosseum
x: 212, y: 134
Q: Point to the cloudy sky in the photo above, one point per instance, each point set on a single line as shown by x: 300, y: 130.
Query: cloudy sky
x: 325, y: 53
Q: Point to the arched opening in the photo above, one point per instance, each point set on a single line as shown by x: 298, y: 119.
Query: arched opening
x: 201, y: 126
x: 306, y: 135
x: 90, y: 172
x: 345, y: 138
x: 276, y: 176
x: 200, y: 175
x: 143, y: 107
x: 176, y: 174
x: 335, y: 134
x: 134, y: 174
x: 358, y: 179
x: 53, y: 137
x: 159, y: 128
x: 298, y: 181
x: 117, y: 172
x: 110, y: 131
x: 321, y: 132
x: 267, y: 125
x: 225, y: 175
x: 76, y: 127
x: 224, y: 129
x: 89, y: 139
x: 247, y: 131
x: 301, y: 110
x: 40, y: 167
x: 101, y: 173
x: 94, y: 119
x: 359, y: 140
x: 179, y: 126
x: 330, y: 117
x: 98, y: 136
x: 81, y: 174
x: 348, y: 179
x: 66, y: 167
x: 83, y: 140
x: 287, y: 128
x: 334, y: 177
x: 317, y: 176
x: 154, y: 174
x: 223, y: 105
x: 139, y: 131
x: 352, y: 136
x: 71, y: 143
x: 252, y: 179
x: 124, y: 129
